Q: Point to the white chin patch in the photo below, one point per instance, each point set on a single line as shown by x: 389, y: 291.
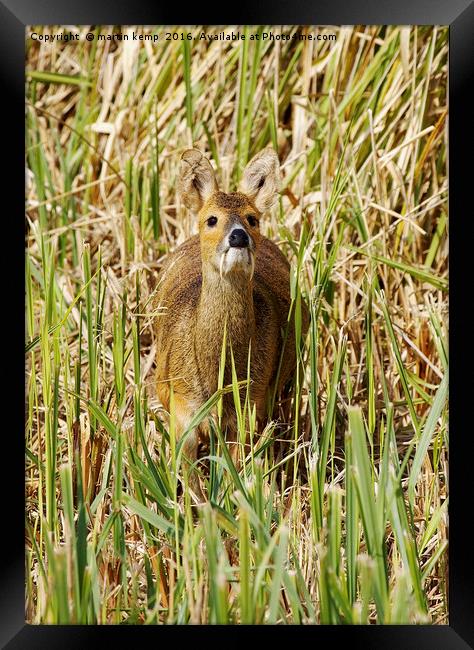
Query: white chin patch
x: 236, y: 259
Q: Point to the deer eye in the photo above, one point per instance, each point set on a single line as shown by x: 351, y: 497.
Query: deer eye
x: 252, y: 221
x: 212, y: 221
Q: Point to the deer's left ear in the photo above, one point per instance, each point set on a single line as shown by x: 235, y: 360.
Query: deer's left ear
x: 261, y: 179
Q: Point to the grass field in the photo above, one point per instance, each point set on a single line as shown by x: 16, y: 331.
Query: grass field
x: 345, y: 522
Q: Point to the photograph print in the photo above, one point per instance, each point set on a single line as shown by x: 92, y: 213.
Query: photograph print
x: 236, y: 325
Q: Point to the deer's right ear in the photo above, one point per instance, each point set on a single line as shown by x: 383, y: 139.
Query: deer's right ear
x: 197, y: 180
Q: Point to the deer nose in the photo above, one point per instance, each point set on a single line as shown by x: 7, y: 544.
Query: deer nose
x: 238, y: 238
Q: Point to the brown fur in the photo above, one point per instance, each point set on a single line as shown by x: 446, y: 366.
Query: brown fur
x: 198, y: 303
x: 230, y: 201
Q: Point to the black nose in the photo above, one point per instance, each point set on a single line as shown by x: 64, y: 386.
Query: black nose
x: 238, y: 238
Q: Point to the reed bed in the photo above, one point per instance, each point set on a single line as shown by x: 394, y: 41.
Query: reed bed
x: 345, y: 518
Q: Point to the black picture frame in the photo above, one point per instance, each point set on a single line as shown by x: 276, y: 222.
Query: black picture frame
x: 459, y: 15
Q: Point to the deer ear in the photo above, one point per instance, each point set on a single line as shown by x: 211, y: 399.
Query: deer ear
x: 196, y: 180
x: 261, y: 179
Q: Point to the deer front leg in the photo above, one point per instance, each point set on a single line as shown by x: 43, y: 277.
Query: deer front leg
x: 184, y: 413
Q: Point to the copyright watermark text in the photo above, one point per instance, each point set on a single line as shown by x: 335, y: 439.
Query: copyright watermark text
x: 310, y: 34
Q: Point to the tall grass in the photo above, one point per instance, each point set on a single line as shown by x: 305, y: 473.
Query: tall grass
x: 339, y: 512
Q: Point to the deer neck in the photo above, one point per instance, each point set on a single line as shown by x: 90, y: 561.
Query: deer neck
x: 226, y: 304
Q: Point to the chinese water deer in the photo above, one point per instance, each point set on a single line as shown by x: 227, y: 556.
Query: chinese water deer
x: 228, y: 277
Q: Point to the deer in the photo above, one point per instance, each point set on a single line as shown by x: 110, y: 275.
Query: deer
x: 228, y: 278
